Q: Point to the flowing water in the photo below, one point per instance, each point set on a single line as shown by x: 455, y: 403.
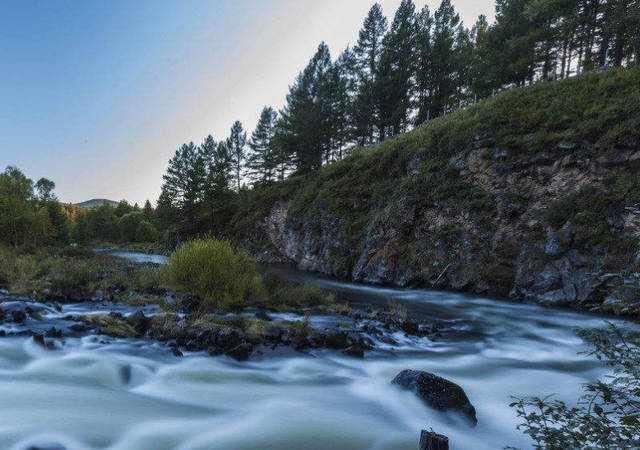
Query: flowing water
x: 116, y: 394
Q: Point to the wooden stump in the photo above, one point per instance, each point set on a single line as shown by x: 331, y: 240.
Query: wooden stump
x: 433, y: 441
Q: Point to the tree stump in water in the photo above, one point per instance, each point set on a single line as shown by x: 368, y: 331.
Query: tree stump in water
x: 433, y: 441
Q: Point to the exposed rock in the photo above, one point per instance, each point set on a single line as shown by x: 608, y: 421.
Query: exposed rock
x: 241, y: 352
x: 355, y: 351
x: 47, y: 447
x: 437, y: 392
x: 19, y: 316
x: 433, y: 441
x: 139, y: 322
x: 125, y: 373
x: 523, y: 229
x: 42, y: 342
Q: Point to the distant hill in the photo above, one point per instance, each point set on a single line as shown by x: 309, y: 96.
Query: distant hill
x: 95, y: 203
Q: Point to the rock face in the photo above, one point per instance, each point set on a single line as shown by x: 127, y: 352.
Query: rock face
x: 534, y: 195
x: 437, y: 392
x: 545, y: 229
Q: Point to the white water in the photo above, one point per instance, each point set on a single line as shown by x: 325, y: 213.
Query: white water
x: 96, y: 393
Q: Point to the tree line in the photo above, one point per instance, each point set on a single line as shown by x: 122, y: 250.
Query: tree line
x: 31, y: 216
x: 398, y: 75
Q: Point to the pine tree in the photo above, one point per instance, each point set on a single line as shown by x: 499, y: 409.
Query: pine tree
x: 236, y: 144
x: 424, y: 24
x: 184, y: 185
x: 262, y: 162
x: 445, y: 61
x: 336, y: 107
x: 148, y: 212
x: 366, y: 58
x: 482, y: 80
x: 394, y: 86
x: 217, y: 191
x: 303, y: 129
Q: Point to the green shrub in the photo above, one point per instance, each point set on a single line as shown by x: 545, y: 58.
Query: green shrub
x: 216, y: 272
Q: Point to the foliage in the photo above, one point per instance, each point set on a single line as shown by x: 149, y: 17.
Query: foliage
x: 284, y: 296
x: 73, y: 273
x: 216, y: 272
x: 607, y: 416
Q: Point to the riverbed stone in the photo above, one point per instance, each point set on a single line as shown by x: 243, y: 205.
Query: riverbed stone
x: 430, y: 440
x: 437, y: 392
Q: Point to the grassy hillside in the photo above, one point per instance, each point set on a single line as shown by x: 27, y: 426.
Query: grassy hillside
x: 487, y: 186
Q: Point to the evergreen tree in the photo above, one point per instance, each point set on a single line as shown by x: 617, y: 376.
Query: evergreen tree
x: 302, y: 129
x: 236, y: 144
x: 394, y: 86
x: 183, y: 185
x: 424, y: 24
x: 148, y: 212
x: 364, y: 67
x: 262, y: 161
x: 442, y: 72
x: 482, y: 79
x: 516, y: 42
x: 336, y: 105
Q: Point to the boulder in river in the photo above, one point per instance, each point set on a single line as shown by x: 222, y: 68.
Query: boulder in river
x: 430, y: 440
x: 437, y: 392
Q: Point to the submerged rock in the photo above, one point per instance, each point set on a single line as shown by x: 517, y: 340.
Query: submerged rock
x: 42, y: 342
x: 437, y: 392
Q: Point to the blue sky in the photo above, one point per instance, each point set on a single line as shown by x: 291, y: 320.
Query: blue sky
x: 97, y: 95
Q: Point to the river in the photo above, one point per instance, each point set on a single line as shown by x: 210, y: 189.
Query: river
x: 121, y: 394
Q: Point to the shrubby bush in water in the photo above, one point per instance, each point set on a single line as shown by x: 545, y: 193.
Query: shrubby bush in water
x: 607, y: 416
x: 216, y: 272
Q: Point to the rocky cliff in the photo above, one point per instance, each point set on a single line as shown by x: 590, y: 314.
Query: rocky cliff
x: 532, y: 195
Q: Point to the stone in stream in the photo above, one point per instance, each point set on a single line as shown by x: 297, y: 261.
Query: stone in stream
x: 430, y: 440
x: 437, y: 392
x: 47, y: 447
x: 354, y: 350
x: 241, y: 352
x: 42, y: 342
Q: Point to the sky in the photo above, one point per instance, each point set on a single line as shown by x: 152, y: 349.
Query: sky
x: 97, y: 95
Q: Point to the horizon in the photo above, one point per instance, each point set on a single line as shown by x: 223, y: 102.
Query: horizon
x: 97, y: 106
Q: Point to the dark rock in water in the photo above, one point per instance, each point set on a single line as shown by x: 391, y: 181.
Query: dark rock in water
x: 139, y: 322
x: 47, y: 447
x: 262, y: 315
x: 3, y: 333
x: 336, y: 340
x: 125, y: 373
x: 2, y: 315
x: 437, y: 392
x: 241, y: 353
x: 355, y: 351
x: 176, y: 351
x: 54, y: 333
x: 18, y: 316
x: 410, y: 327
x: 433, y: 441
x: 78, y: 328
x: 42, y: 342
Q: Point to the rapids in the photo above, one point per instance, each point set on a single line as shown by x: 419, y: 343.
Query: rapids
x: 121, y: 394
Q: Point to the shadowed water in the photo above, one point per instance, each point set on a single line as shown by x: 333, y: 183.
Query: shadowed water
x: 97, y: 393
